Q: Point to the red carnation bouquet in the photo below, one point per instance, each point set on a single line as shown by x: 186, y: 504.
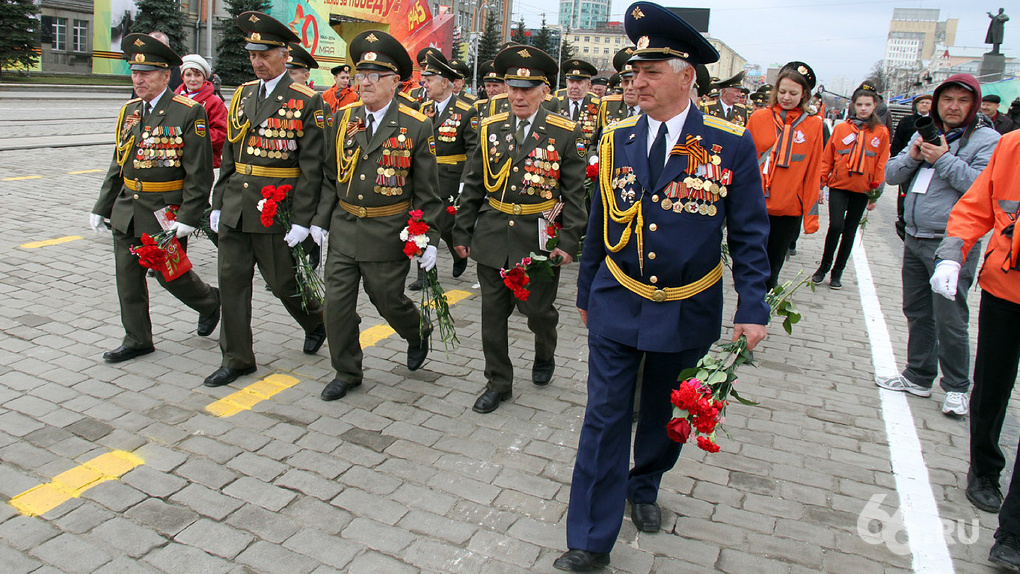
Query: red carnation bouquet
x: 162, y: 251
x: 699, y: 405
x: 273, y: 209
x: 454, y: 205
x: 533, y: 267
x: 433, y: 296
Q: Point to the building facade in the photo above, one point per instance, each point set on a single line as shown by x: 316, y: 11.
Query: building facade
x: 583, y: 14
x: 66, y: 28
x: 913, y: 36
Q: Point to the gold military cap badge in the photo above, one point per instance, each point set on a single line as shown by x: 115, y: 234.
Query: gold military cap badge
x: 372, y: 38
x: 139, y: 42
x: 642, y: 42
x: 637, y: 13
x: 524, y: 53
x: 369, y: 56
x: 256, y: 37
x: 139, y: 57
x: 253, y: 18
x: 523, y: 72
x: 802, y: 70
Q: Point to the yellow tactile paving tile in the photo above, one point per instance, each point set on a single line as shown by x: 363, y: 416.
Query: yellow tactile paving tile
x: 84, y: 171
x: 72, y: 483
x: 21, y: 178
x: 263, y: 389
x: 48, y: 242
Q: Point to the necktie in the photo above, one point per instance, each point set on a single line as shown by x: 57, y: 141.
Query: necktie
x: 522, y: 132
x: 630, y: 111
x: 657, y: 156
x: 577, y: 107
x: 261, y: 97
x: 146, y: 110
x: 368, y: 130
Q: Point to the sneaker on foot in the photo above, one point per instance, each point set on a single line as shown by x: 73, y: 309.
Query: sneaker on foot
x: 818, y: 278
x: 900, y: 383
x: 956, y: 404
x: 835, y: 283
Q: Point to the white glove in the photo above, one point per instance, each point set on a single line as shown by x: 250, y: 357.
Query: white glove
x: 428, y: 258
x: 214, y: 220
x: 318, y: 235
x: 460, y: 189
x: 95, y: 222
x: 181, y: 229
x: 296, y: 235
x: 945, y: 278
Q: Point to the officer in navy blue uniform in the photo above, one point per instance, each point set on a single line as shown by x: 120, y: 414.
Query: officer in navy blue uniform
x: 649, y: 285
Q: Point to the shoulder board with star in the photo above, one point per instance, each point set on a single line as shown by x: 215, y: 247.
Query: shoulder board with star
x: 463, y: 105
x: 185, y: 100
x: 302, y: 89
x: 595, y: 99
x: 612, y: 98
x: 409, y: 111
x: 560, y: 122
x: 480, y: 103
x: 501, y: 117
x: 723, y: 125
x: 427, y: 103
x: 560, y: 92
x: 353, y: 105
x: 251, y: 83
x: 134, y: 101
x: 503, y: 97
x: 625, y: 123
x: 548, y: 97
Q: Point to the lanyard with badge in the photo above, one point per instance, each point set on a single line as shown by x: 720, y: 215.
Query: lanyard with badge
x: 924, y: 175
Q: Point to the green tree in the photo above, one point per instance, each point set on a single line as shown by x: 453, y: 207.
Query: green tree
x: 877, y: 75
x: 231, y: 58
x: 567, y: 50
x: 165, y: 16
x: 19, y: 34
x: 519, y: 34
x: 488, y: 44
x: 543, y: 39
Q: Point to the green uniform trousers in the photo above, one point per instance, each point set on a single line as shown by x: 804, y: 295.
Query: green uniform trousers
x: 384, y: 285
x: 239, y: 253
x: 498, y: 303
x: 133, y: 292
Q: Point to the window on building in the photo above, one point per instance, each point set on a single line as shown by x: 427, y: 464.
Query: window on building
x: 617, y: 41
x: 79, y: 36
x: 605, y: 50
x: 586, y: 49
x: 577, y: 38
x: 60, y: 33
x: 587, y: 38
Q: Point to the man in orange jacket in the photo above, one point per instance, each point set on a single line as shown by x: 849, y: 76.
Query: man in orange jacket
x: 341, y: 93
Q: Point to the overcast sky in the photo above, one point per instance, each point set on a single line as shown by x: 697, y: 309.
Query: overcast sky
x: 834, y: 37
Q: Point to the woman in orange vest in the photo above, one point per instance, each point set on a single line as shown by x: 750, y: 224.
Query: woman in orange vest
x: 788, y: 139
x: 853, y: 166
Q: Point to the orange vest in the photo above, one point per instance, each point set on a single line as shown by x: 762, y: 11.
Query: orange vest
x: 981, y: 209
x: 338, y: 99
x: 794, y: 189
x: 836, y: 168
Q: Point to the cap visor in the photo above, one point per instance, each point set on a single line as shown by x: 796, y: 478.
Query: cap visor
x: 145, y: 68
x: 524, y: 83
x: 258, y: 47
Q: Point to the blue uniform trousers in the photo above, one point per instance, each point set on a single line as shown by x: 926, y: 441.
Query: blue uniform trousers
x: 601, y: 481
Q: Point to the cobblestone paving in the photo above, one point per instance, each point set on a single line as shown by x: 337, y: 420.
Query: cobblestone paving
x: 401, y: 475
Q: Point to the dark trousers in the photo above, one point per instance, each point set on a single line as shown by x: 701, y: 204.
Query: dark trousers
x: 601, y: 482
x: 384, y: 285
x: 446, y: 234
x: 133, y: 292
x: 938, y: 334
x: 995, y: 370
x: 783, y: 232
x: 239, y: 253
x: 498, y: 303
x: 845, y: 211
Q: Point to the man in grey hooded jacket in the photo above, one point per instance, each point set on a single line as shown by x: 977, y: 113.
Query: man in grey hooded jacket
x: 937, y: 175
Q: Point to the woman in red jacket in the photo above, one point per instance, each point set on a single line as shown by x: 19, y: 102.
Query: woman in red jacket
x: 195, y: 72
x: 788, y: 139
x: 853, y: 166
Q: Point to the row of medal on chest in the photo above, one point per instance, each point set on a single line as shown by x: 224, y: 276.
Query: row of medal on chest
x: 161, y: 146
x: 694, y: 195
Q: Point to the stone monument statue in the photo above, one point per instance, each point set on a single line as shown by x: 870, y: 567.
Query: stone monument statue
x: 996, y: 29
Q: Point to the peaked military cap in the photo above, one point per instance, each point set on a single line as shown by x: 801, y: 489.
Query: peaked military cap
x: 733, y: 82
x: 804, y: 70
x: 377, y: 50
x: 614, y: 80
x: 578, y: 70
x: 600, y: 81
x: 420, y: 58
x: 525, y: 66
x: 620, y: 62
x: 461, y: 67
x: 745, y: 90
x: 759, y: 98
x: 262, y: 32
x: 702, y: 79
x: 434, y: 64
x: 145, y: 53
x: 488, y: 72
x: 300, y: 58
x: 341, y: 68
x: 659, y: 34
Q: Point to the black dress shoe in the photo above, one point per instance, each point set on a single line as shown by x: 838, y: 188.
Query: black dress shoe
x: 818, y: 277
x: 416, y: 354
x: 1006, y: 550
x: 489, y: 401
x: 581, y: 561
x: 337, y: 389
x: 417, y: 285
x: 123, y: 353
x: 226, y: 375
x: 459, y: 267
x: 983, y: 492
x: 207, y: 323
x: 646, y: 516
x: 314, y: 340
x: 542, y: 372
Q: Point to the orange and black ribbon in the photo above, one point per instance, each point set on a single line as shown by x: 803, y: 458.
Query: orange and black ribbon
x: 856, y: 161
x: 696, y: 155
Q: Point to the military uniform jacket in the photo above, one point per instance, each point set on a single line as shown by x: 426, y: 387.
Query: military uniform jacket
x: 587, y: 118
x: 677, y: 224
x: 394, y: 172
x: 548, y: 166
x: 611, y: 110
x: 456, y: 136
x: 171, y: 145
x: 738, y: 113
x: 500, y: 103
x: 285, y: 136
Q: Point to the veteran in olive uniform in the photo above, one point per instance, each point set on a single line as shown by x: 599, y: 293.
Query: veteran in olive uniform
x: 163, y: 158
x: 616, y: 107
x: 380, y: 165
x: 455, y: 122
x: 527, y: 170
x: 493, y: 84
x: 577, y: 102
x: 460, y: 84
x: 274, y: 137
x: 649, y: 286
x: 728, y: 106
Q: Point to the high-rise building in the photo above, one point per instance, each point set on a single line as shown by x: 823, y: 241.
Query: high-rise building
x: 584, y: 14
x: 913, y: 35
